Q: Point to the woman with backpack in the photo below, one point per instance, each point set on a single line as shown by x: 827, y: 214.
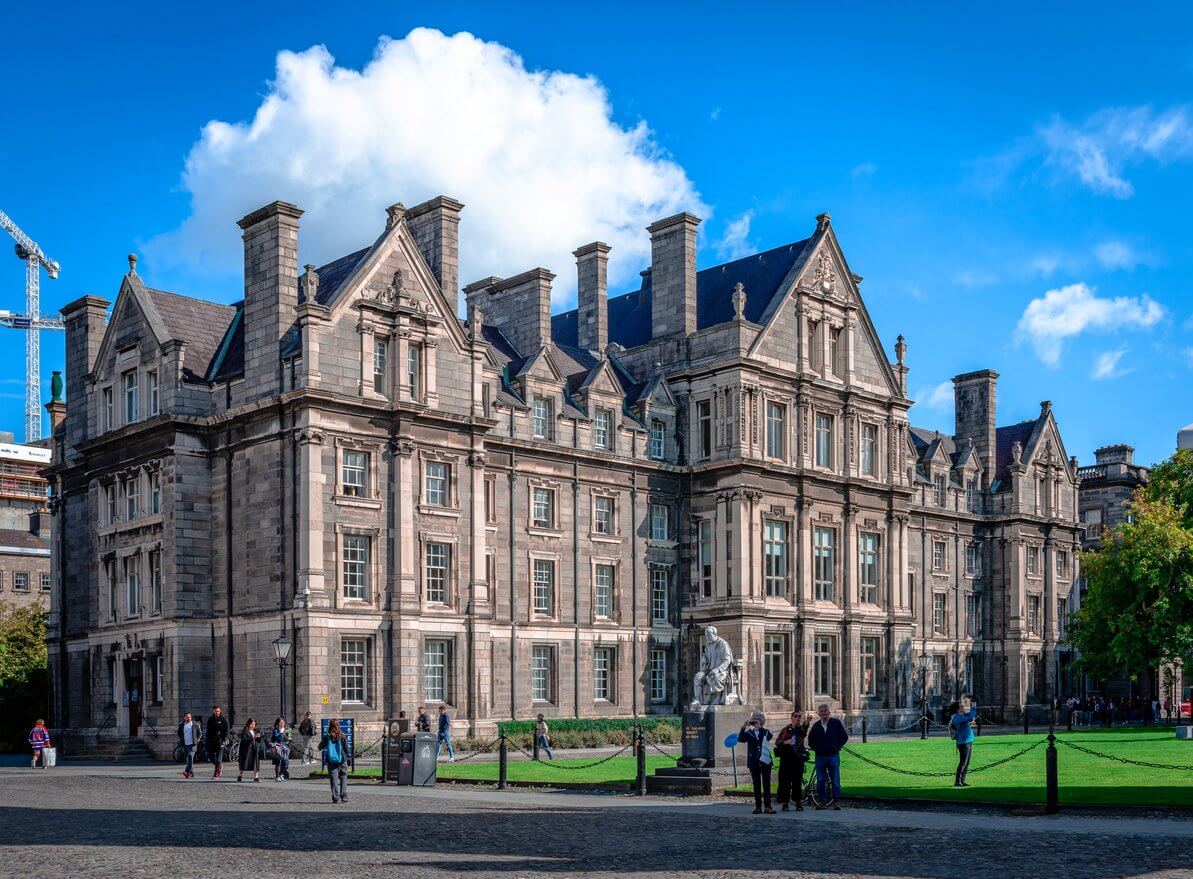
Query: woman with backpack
x: 961, y: 729
x: 250, y: 754
x: 335, y: 750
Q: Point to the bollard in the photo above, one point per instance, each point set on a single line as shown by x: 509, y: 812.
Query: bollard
x: 640, y: 779
x: 1071, y: 713
x: 502, y: 757
x: 923, y: 727
x: 978, y: 726
x: 535, y: 736
x: 1025, y: 720
x: 1052, y: 787
x: 863, y: 729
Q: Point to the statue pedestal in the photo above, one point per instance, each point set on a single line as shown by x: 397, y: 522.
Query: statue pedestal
x: 704, y: 732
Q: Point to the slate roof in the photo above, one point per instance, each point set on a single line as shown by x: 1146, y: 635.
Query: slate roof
x: 200, y: 323
x: 629, y: 314
x: 1007, y: 436
x: 333, y: 275
x: 20, y: 539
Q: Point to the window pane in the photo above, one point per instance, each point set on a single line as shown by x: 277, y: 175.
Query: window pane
x: 602, y: 521
x: 352, y: 670
x: 543, y: 508
x: 603, y: 591
x: 602, y: 662
x: 824, y: 441
x: 544, y: 586
x: 541, y: 661
x: 438, y: 556
x: 825, y: 564
x: 658, y: 675
x: 355, y: 472
x: 380, y: 364
x: 775, y: 557
x: 776, y: 422
x: 658, y: 522
x: 705, y: 560
x: 356, y: 560
x: 869, y: 449
x: 437, y: 484
x: 658, y: 595
x: 435, y: 671
x: 658, y: 440
x: 868, y: 568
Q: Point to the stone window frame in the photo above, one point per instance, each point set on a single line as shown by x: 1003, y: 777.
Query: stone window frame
x: 877, y: 456
x: 880, y: 539
x: 940, y: 489
x: 934, y: 541
x: 111, y: 587
x: 611, y: 426
x: 386, y: 372
x: 835, y: 531
x: 789, y: 527
x: 651, y: 451
x: 973, y: 613
x: 667, y: 569
x: 973, y: 552
x: 130, y: 409
x: 552, y: 652
x: 611, y: 494
x: 615, y: 605
x: 121, y: 557
x: 653, y: 651
x: 109, y: 503
x: 373, y: 449
x: 453, y: 461
x: 943, y: 596
x: 370, y: 676
x: 785, y: 408
x: 669, y: 541
x: 490, y: 501
x: 703, y: 452
x: 611, y: 672
x: 549, y: 419
x: 1036, y: 571
x: 106, y: 413
x: 452, y: 586
x: 449, y: 639
x: 770, y: 666
x: 556, y: 560
x: 834, y: 419
x: 877, y: 638
x: 46, y: 582
x: 554, y: 487
x: 28, y: 587
x: 372, y: 570
x: 698, y: 587
x: 156, y: 591
x: 1036, y: 598
x: 834, y: 659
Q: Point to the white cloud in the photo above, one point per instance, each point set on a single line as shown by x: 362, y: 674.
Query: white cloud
x: 535, y: 156
x: 1188, y: 352
x: 715, y: 114
x: 1044, y: 265
x: 1106, y: 365
x: 938, y: 397
x: 1064, y: 312
x: 735, y: 242
x: 1117, y: 255
x: 865, y: 169
x: 975, y: 277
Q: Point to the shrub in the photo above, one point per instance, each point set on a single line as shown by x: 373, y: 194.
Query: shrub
x: 593, y: 732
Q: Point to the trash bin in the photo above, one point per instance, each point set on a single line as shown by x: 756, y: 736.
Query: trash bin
x: 412, y: 759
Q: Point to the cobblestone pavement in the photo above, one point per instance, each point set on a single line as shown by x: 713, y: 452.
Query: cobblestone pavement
x: 147, y: 821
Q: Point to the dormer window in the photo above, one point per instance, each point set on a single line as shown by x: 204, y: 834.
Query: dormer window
x: 971, y: 494
x: 151, y: 385
x: 938, y: 490
x: 108, y: 409
x: 601, y: 429
x: 540, y: 418
x: 658, y: 440
x: 130, y: 396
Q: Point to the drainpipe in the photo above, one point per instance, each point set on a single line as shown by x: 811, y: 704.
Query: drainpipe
x: 634, y: 585
x: 513, y: 584
x: 576, y: 587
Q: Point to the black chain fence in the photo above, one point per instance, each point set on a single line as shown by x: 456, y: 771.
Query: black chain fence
x: 919, y: 773
x: 1145, y: 763
x: 570, y: 767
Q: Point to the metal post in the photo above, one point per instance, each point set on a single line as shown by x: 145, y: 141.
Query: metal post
x: 1025, y: 730
x: 923, y: 726
x: 502, y: 757
x: 535, y: 736
x: 863, y: 729
x: 282, y: 686
x: 1071, y: 713
x: 1052, y: 788
x: 640, y: 781
x: 979, y: 726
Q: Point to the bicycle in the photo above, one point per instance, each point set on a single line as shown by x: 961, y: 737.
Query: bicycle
x: 200, y: 752
x: 811, y: 795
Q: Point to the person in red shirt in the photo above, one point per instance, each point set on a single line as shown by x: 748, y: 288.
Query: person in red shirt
x: 39, y: 740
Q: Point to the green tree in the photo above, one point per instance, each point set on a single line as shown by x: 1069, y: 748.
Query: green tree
x: 1138, y: 608
x: 23, y: 671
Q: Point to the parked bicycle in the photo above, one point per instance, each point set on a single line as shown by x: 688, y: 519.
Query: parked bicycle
x: 812, y: 795
x: 200, y: 752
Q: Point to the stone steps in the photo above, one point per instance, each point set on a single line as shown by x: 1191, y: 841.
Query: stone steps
x: 114, y: 751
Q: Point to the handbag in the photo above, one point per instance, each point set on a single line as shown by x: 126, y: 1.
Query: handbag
x: 49, y: 756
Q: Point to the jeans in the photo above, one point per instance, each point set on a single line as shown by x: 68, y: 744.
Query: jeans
x: 828, y: 768
x: 216, y: 754
x: 543, y: 746
x: 445, y: 738
x: 338, y: 776
x: 307, y: 756
x: 282, y: 765
x: 190, y: 757
x: 963, y: 751
x: 760, y: 773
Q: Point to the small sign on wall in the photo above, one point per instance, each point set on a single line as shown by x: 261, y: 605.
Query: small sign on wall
x: 326, y: 700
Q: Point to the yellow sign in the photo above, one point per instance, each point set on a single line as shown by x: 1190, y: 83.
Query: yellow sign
x: 326, y: 700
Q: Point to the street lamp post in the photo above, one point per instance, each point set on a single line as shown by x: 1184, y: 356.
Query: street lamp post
x: 281, y: 655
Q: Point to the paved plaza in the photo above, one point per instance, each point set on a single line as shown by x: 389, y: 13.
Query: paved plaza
x: 106, y: 821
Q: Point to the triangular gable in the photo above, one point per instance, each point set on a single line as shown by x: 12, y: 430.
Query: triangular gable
x: 658, y: 392
x: 602, y: 379
x: 541, y: 366
x: 967, y: 457
x: 1045, y: 432
x: 132, y: 295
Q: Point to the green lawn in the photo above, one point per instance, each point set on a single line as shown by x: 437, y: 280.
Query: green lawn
x: 1084, y: 779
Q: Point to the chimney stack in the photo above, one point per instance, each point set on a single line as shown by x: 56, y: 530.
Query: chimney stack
x: 673, y: 275
x: 435, y: 226
x: 975, y: 402
x: 86, y: 320
x: 592, y: 295
x: 520, y: 306
x: 270, y: 293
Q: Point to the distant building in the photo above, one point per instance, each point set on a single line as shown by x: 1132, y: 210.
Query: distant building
x: 1106, y: 487
x: 24, y: 524
x: 1184, y: 437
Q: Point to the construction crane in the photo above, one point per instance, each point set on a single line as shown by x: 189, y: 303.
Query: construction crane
x: 31, y: 321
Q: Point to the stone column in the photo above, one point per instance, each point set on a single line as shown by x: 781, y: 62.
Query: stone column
x: 804, y: 554
x: 430, y: 357
x: 801, y: 345
x: 311, y: 570
x: 406, y: 495
x: 720, y: 586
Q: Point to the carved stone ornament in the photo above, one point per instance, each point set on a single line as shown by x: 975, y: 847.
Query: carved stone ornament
x: 476, y: 459
x: 1016, y: 453
x: 311, y: 435
x: 405, y: 447
x: 392, y: 293
x: 739, y: 301
x: 823, y: 277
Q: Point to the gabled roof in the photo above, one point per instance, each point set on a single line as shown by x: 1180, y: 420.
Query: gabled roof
x: 198, y: 322
x: 333, y: 275
x: 760, y: 274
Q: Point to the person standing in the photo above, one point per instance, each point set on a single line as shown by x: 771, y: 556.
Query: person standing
x: 542, y: 736
x: 279, y: 744
x: 445, y: 735
x: 961, y: 730
x: 335, y: 751
x: 306, y: 729
x: 217, y: 738
x: 791, y: 748
x: 250, y: 755
x: 758, y: 759
x: 422, y: 723
x: 39, y: 740
x: 190, y: 733
x: 827, y: 736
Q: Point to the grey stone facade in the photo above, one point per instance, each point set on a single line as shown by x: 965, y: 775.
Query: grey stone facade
x: 519, y: 512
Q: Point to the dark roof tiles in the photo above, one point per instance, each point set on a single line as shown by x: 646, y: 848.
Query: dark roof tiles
x: 198, y: 322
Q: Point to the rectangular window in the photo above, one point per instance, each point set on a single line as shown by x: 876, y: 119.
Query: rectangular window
x: 1062, y: 617
x: 773, y: 660
x: 355, y: 474
x: 939, y: 555
x: 815, y: 354
x: 110, y: 576
x: 704, y: 427
x: 971, y: 559
x: 939, y: 614
x: 972, y: 496
x: 774, y: 551
x: 834, y: 351
x: 704, y: 551
x: 869, y: 666
x: 45, y: 582
x: 868, y: 568
x: 159, y: 679
x: 540, y: 418
x: 132, y: 498
x: 542, y: 513
x: 1034, y: 621
x: 824, y: 440
x: 658, y: 675
x: 938, y: 675
x: 602, y: 667
x: 544, y: 587
x: 438, y: 493
x: 776, y: 430
x: 490, y: 500
x: 659, y: 583
x: 413, y: 371
x: 1033, y: 560
x: 435, y: 671
x: 602, y: 515
x: 154, y: 395
x: 110, y: 503
x: 438, y: 565
x: 130, y: 397
x: 381, y: 364
x: 542, y: 668
x: 1062, y: 563
x: 356, y: 566
x: 826, y: 564
x: 20, y: 581
x: 600, y: 429
x: 658, y: 440
x: 602, y: 588
x: 132, y: 584
x: 659, y: 522
x: 155, y: 580
x: 107, y: 416
x: 822, y: 665
x: 938, y: 490
x: 155, y: 493
x: 869, y: 449
x: 1033, y: 676
x: 972, y: 614
x: 353, y: 667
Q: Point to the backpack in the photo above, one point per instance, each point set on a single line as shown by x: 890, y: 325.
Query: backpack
x: 952, y: 730
x: 335, y: 752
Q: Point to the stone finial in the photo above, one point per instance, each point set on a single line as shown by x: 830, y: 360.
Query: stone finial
x: 739, y: 301
x: 56, y: 386
x: 1073, y: 462
x: 823, y: 221
x: 132, y: 263
x: 476, y: 320
x: 1045, y: 407
x: 1016, y: 452
x: 613, y: 348
x: 394, y: 214
x: 310, y: 283
x: 900, y: 349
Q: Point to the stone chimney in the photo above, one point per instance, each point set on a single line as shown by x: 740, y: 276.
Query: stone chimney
x: 270, y: 293
x: 435, y: 226
x: 592, y: 295
x: 85, y: 319
x: 976, y: 405
x: 673, y: 275
x: 520, y: 306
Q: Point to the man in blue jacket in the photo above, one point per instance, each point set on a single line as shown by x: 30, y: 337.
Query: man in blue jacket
x: 827, y: 737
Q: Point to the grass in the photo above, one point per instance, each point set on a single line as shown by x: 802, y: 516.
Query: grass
x: 1084, y: 779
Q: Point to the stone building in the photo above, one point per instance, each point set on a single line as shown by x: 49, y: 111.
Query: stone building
x: 24, y: 524
x: 518, y: 511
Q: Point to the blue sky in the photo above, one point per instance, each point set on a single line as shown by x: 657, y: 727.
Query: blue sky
x: 1015, y: 191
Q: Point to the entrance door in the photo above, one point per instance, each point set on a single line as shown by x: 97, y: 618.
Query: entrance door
x: 136, y: 695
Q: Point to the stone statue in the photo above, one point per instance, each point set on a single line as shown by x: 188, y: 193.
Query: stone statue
x: 714, y: 681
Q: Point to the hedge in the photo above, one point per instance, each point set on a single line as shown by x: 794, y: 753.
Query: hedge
x: 590, y: 724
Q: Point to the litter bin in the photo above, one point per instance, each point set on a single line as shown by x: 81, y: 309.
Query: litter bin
x: 412, y: 761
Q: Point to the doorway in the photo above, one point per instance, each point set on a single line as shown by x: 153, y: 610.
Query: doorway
x: 133, y: 676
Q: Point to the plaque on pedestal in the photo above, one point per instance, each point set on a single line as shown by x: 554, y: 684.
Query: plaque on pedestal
x: 705, y: 730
